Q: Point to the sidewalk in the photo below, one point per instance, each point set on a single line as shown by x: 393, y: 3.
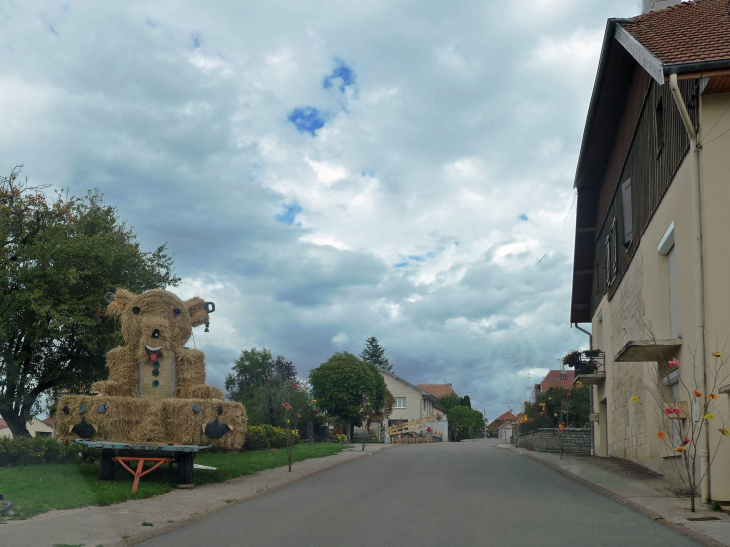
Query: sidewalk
x: 642, y: 490
x: 121, y: 524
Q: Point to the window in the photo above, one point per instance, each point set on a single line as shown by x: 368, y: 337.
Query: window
x: 627, y: 212
x: 659, y: 125
x: 400, y: 402
x: 611, y: 255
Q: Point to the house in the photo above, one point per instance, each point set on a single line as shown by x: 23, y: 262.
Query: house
x: 35, y: 427
x: 504, y: 431
x: 503, y: 419
x: 555, y: 378
x: 651, y: 255
x: 437, y: 390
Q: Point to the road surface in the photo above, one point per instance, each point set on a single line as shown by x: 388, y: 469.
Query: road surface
x: 441, y: 495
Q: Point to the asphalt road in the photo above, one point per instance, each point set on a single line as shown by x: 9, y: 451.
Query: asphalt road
x: 450, y: 494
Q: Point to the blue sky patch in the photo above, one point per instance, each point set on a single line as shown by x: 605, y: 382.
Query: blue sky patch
x: 401, y: 264
x: 523, y: 216
x: 307, y: 119
x: 343, y: 73
x: 195, y: 37
x: 288, y: 216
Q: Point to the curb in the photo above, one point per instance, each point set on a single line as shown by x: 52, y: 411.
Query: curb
x: 192, y: 519
x: 656, y: 517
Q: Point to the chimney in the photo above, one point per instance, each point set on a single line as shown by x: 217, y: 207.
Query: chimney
x: 654, y: 5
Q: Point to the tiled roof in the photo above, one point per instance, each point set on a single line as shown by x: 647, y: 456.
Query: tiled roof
x: 437, y: 390
x: 506, y: 416
x: 3, y: 425
x: 689, y: 32
x: 49, y: 421
x: 553, y: 380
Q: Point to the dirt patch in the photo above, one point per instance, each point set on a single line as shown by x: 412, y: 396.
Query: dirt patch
x: 627, y: 468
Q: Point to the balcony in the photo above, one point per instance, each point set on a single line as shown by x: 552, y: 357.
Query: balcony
x: 590, y: 368
x: 642, y: 351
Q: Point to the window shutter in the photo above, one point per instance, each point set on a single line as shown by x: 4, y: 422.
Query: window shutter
x: 672, y: 272
x: 627, y: 212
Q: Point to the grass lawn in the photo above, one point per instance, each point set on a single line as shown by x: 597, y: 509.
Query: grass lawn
x: 39, y: 488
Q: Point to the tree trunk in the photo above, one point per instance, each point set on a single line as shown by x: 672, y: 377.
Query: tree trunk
x: 17, y: 425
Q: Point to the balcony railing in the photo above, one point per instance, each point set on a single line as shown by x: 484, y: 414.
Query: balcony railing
x: 590, y: 367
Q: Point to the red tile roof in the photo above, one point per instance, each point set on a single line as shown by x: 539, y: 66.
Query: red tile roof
x: 553, y: 380
x: 49, y: 421
x: 3, y: 425
x: 506, y: 416
x: 437, y: 390
x: 689, y: 32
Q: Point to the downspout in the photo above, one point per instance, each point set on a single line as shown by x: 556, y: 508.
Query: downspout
x: 590, y: 346
x: 698, y: 269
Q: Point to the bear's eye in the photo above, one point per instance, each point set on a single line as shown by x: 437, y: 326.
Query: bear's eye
x: 135, y: 310
x: 176, y: 311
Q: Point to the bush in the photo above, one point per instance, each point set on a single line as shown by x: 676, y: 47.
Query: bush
x: 264, y: 437
x: 42, y: 449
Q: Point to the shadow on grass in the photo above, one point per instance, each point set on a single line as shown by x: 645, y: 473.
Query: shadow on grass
x: 40, y: 488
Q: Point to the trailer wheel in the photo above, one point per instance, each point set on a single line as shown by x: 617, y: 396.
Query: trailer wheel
x: 107, y: 467
x: 184, y: 467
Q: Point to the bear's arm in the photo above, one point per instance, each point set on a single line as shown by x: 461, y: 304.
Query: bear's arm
x: 191, y: 376
x: 123, y: 374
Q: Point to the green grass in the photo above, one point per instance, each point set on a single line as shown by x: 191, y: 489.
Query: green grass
x: 39, y: 488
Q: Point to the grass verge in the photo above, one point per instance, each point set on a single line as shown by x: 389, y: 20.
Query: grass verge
x: 39, y: 488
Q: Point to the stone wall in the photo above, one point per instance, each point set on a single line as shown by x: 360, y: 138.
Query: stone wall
x: 576, y: 441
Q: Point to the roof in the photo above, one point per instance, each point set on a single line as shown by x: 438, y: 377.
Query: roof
x: 690, y: 32
x: 426, y: 394
x: 437, y: 390
x: 690, y: 39
x: 3, y: 425
x: 521, y: 415
x: 552, y: 379
x: 49, y: 421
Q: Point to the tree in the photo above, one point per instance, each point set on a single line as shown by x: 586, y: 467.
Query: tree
x: 374, y: 353
x: 259, y: 381
x: 449, y: 401
x: 338, y: 385
x: 465, y: 422
x: 58, y: 258
x: 466, y: 401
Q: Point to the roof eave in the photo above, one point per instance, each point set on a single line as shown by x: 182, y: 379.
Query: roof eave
x: 597, y: 84
x: 701, y: 66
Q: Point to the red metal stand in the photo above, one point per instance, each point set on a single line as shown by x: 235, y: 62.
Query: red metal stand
x: 140, y: 467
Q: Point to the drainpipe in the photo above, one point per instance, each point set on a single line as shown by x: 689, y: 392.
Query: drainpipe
x: 698, y: 269
x: 590, y: 346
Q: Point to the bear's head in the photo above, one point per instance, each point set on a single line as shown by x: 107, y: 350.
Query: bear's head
x: 156, y: 321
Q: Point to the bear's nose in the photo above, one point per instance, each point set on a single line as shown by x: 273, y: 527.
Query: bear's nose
x: 155, y: 333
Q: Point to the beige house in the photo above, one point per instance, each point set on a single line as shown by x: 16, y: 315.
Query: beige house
x: 35, y: 427
x: 652, y: 252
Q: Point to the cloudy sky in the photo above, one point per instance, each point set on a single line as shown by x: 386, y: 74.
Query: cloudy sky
x: 327, y: 171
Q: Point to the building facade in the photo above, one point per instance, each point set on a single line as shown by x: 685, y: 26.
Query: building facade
x: 651, y: 246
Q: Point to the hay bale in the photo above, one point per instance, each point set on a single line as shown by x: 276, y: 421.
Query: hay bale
x: 135, y: 420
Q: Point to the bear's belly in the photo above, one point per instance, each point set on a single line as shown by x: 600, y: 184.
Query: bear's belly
x: 157, y: 378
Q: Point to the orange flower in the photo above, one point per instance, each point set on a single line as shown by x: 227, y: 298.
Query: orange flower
x: 712, y: 396
x: 661, y: 435
x: 698, y: 393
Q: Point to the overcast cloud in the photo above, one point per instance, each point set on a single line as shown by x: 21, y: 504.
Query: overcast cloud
x: 326, y: 171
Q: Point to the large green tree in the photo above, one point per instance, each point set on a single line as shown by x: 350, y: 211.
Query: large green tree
x: 338, y: 385
x: 58, y: 257
x: 449, y: 401
x: 261, y: 381
x: 464, y: 422
x: 374, y: 353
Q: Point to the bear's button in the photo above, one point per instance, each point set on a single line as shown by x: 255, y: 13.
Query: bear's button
x: 82, y: 409
x: 156, y: 364
x: 155, y: 383
x: 101, y: 409
x: 155, y: 372
x: 196, y: 408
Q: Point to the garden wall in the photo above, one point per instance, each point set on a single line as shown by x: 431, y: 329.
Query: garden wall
x: 576, y: 441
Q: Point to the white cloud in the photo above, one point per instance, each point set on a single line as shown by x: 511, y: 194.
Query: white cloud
x: 340, y: 339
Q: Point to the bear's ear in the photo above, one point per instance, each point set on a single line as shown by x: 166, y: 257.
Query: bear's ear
x: 118, y: 302
x: 199, y: 310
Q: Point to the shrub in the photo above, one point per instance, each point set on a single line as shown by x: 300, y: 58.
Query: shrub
x: 42, y: 449
x: 262, y: 437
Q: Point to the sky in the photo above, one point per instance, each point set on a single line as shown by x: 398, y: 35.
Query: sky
x: 327, y: 171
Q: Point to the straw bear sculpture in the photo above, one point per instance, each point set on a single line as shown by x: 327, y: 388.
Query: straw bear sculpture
x: 156, y: 390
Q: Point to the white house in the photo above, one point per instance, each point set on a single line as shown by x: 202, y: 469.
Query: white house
x: 35, y: 428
